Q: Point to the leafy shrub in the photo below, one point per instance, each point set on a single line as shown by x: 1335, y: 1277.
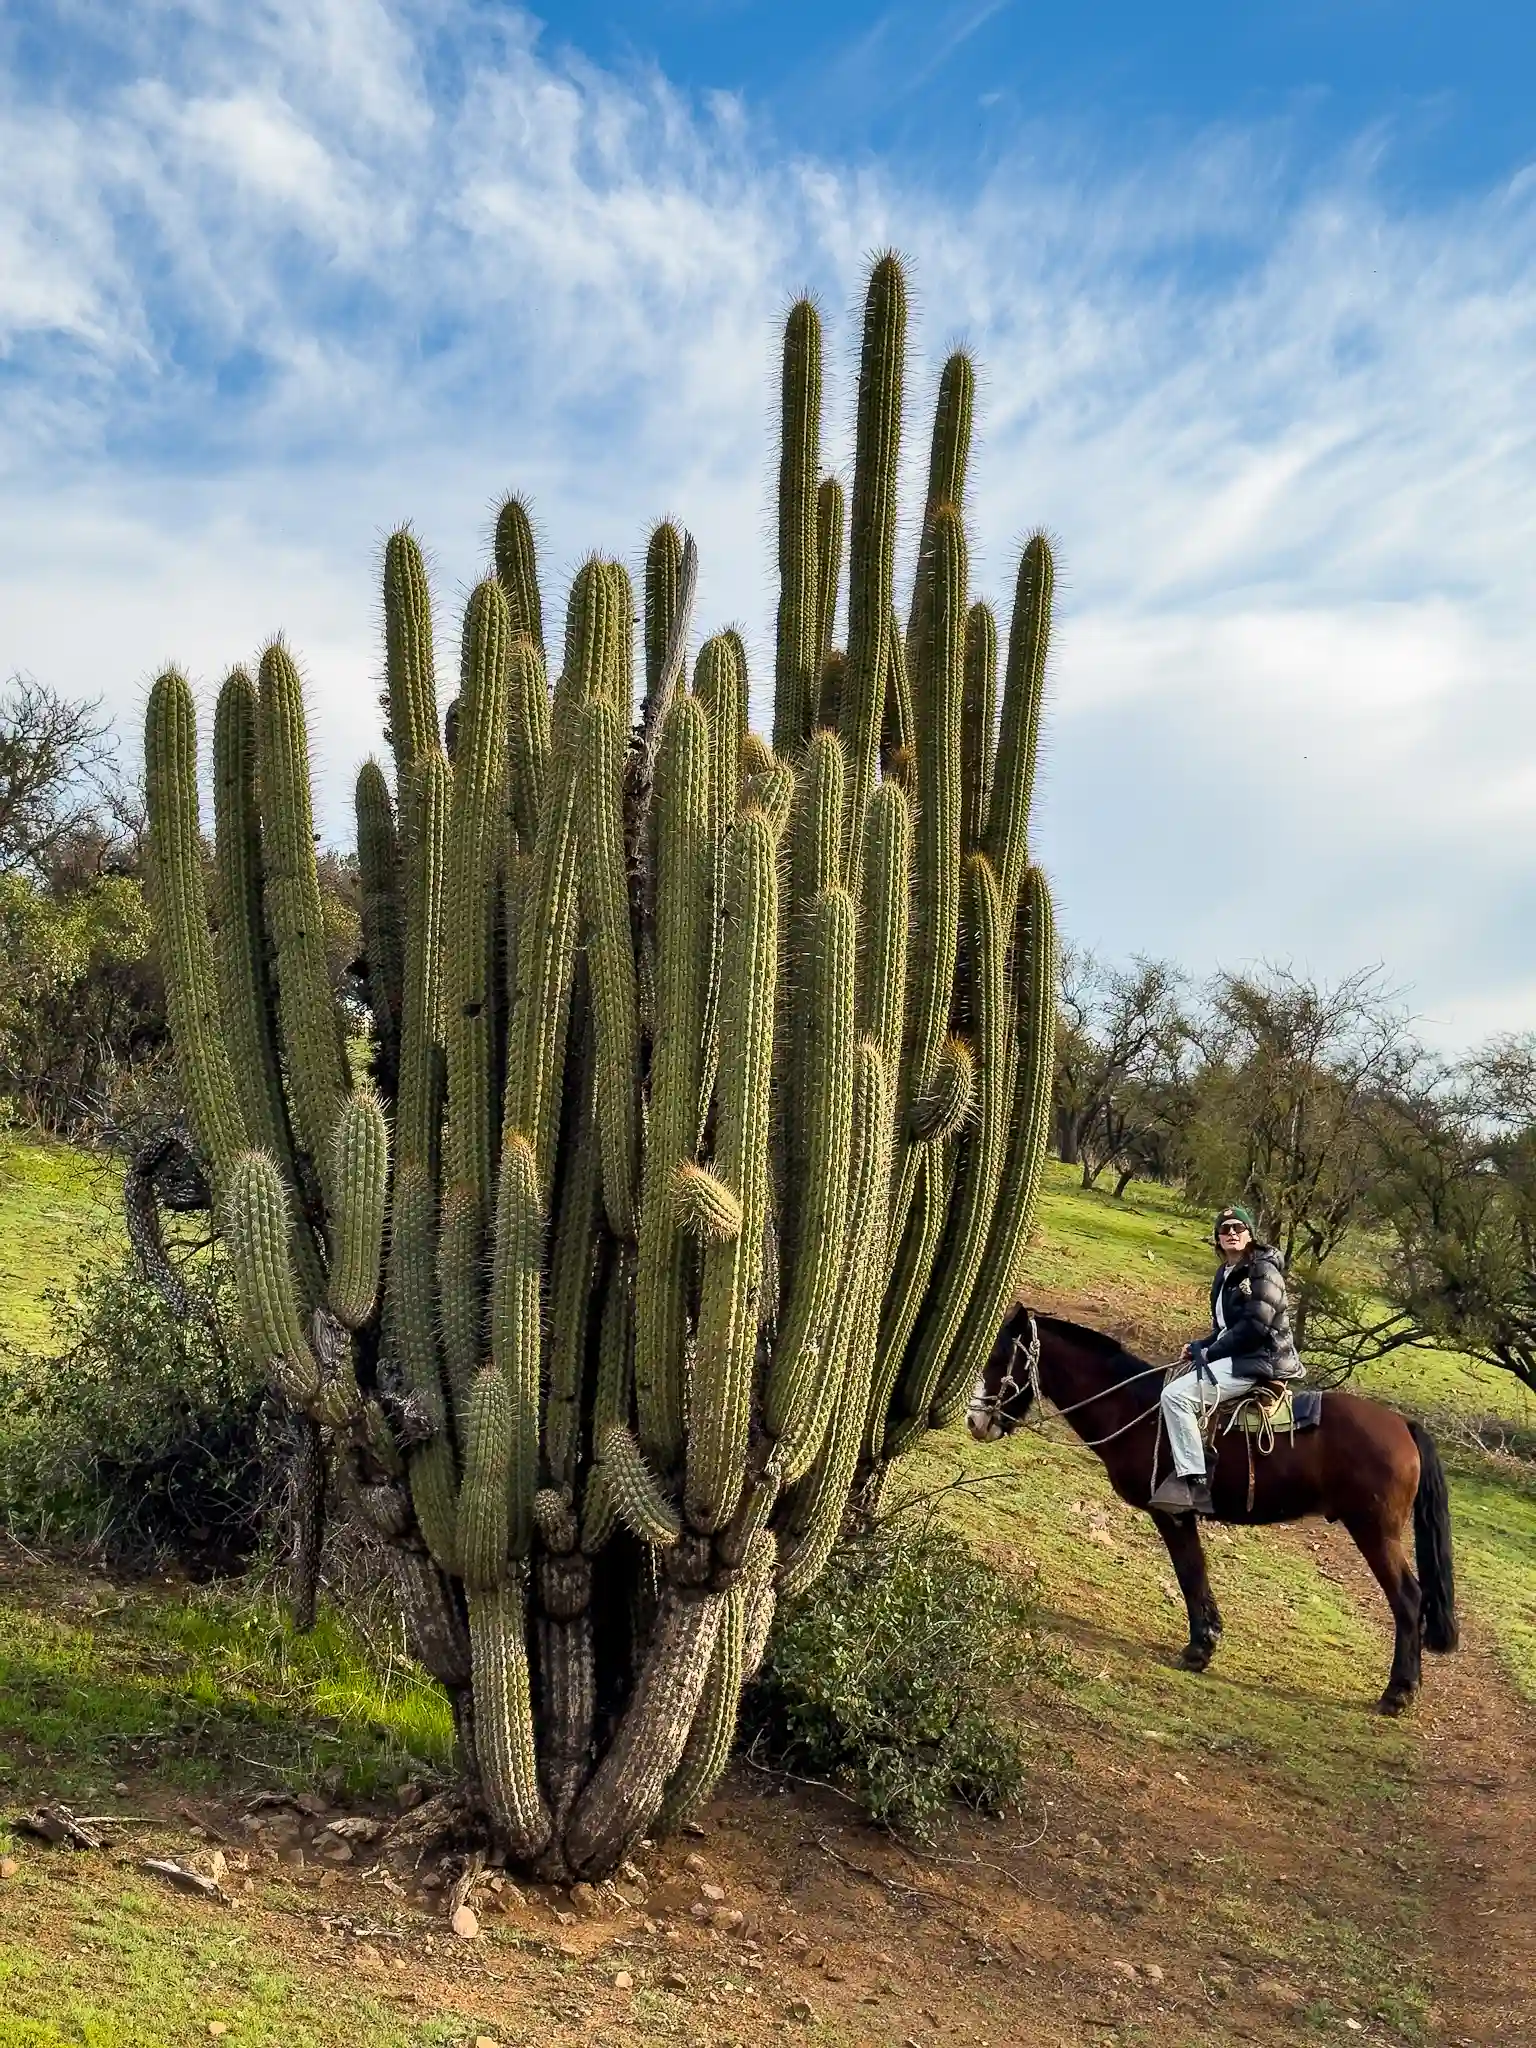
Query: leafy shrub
x: 142, y: 1432
x: 896, y: 1677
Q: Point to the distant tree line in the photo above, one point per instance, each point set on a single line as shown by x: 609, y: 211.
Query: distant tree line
x: 1400, y: 1186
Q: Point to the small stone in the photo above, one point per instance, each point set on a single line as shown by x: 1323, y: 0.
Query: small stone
x: 367, y: 1954
x: 218, y: 2029
x: 465, y: 1923
x: 8, y: 1866
x: 696, y: 1864
x: 699, y: 1910
x: 312, y: 1804
x: 1274, y: 1992
x: 486, y: 2041
x: 1354, y: 2026
x: 623, y: 1981
x: 802, y: 2009
x: 332, y: 1850
x: 1152, y: 1973
x: 586, y: 1899
x: 1126, y: 1970
x: 715, y: 1893
x: 728, y: 1919
x: 563, y: 1919
x: 408, y: 1795
x: 632, y: 1873
x: 120, y: 1789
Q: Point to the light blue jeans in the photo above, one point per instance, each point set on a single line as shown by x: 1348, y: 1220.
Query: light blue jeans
x: 1186, y: 1399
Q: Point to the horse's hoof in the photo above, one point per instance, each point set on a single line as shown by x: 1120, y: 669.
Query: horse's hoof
x: 1393, y: 1702
x: 1195, y: 1656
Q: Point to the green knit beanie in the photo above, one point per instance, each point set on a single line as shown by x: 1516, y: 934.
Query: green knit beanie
x: 1236, y: 1214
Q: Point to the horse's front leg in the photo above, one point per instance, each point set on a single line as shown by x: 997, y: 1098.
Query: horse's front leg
x: 1181, y: 1534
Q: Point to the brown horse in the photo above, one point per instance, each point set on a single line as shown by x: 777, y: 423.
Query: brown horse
x: 1363, y: 1466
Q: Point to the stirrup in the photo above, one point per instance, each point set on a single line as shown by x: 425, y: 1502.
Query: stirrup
x: 1174, y: 1495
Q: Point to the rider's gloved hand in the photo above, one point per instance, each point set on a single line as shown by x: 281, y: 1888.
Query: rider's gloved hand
x: 1196, y: 1354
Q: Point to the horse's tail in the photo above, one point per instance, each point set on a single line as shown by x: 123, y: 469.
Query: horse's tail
x: 1432, y: 1546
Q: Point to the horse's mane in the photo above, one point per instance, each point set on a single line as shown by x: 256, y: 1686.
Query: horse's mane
x: 1109, y: 1349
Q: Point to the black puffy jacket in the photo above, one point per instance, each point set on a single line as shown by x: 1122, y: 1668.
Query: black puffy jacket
x: 1257, y: 1338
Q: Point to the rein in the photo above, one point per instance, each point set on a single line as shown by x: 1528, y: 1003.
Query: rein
x: 1011, y: 1385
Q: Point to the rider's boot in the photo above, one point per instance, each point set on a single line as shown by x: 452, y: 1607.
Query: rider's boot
x: 1180, y: 1496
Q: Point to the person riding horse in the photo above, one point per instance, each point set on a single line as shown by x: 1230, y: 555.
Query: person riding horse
x: 1249, y: 1342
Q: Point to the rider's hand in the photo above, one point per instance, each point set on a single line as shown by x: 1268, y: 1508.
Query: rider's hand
x: 1185, y: 1355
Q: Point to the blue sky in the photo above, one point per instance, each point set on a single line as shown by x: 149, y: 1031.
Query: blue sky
x: 1252, y: 288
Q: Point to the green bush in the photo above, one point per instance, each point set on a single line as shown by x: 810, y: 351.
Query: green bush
x: 140, y: 1432
x: 897, y: 1677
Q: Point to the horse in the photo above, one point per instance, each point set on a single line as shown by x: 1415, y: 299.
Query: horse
x: 1364, y: 1465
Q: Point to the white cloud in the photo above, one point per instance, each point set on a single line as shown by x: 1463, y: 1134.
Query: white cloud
x: 275, y: 277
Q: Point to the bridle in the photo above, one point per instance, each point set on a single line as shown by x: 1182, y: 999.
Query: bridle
x: 991, y: 1406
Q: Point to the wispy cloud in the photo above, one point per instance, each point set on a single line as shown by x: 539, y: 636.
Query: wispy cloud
x: 272, y: 277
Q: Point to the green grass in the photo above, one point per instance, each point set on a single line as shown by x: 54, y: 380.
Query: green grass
x: 185, y: 1688
x: 55, y: 1201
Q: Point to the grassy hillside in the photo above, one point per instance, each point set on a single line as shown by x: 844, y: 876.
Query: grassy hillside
x: 190, y: 1689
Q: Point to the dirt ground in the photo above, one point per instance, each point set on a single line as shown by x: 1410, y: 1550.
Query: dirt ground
x: 1142, y: 1896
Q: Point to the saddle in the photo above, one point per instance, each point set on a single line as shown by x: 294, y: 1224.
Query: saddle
x: 1261, y: 1413
x: 1267, y: 1409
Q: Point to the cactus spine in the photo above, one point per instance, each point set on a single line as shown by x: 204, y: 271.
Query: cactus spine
x: 710, y: 1087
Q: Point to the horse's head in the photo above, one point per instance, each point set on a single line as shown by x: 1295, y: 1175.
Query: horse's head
x: 1009, y: 1380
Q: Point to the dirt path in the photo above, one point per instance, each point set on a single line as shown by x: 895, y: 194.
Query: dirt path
x: 1479, y: 1775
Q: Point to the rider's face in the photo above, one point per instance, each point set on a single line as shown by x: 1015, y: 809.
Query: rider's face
x: 1234, y: 1239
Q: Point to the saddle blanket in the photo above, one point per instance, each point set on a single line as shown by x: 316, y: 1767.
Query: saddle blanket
x: 1265, y: 1409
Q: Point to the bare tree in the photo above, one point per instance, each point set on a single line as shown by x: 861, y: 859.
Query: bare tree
x: 1297, y: 1083
x: 55, y: 771
x: 1457, y: 1197
x: 1121, y: 1045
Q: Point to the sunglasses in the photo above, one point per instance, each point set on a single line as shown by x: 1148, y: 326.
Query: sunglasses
x: 1231, y: 1229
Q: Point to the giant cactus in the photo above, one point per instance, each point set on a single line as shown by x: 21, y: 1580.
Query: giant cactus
x: 708, y: 1097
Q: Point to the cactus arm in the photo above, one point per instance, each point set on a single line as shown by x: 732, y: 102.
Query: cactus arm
x: 622, y: 1797
x: 978, y: 724
x: 985, y: 1147
x: 360, y: 1176
x: 504, y: 1741
x: 517, y: 569
x: 641, y: 1503
x: 473, y: 849
x: 181, y: 923
x: 872, y: 536
x: 484, y: 1497
x: 997, y: 1282
x: 886, y: 907
x: 684, y: 925
x: 829, y: 569
x: 948, y: 454
x: 317, y: 1075
x: 247, y: 1002
x: 896, y: 730
x: 410, y: 1290
x: 823, y: 1081
x: 527, y: 737
x: 573, y: 1262
x: 378, y: 861
x: 727, y: 1335
x: 1007, y: 835
x: 720, y: 689
x: 663, y: 575
x: 516, y: 1326
x: 411, y: 687
x: 713, y: 1734
x: 825, y: 1455
x: 611, y: 958
x: 257, y: 1223
x: 547, y: 921
x: 797, y: 669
